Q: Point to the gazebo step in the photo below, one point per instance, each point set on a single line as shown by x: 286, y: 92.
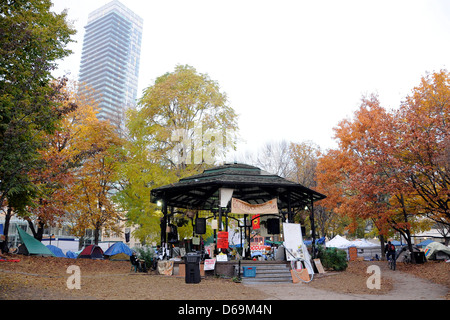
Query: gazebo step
x: 256, y: 281
x: 267, y: 273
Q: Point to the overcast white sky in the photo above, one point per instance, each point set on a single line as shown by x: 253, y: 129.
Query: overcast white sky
x: 291, y: 69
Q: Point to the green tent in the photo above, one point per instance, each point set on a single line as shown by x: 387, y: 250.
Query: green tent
x: 32, y: 246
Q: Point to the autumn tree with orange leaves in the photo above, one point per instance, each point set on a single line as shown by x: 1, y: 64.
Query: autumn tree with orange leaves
x: 96, y: 151
x: 76, y: 172
x: 423, y: 147
x: 391, y: 166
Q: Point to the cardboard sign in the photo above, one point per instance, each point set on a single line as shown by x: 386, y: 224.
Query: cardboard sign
x: 210, y: 264
x: 319, y: 266
x: 352, y: 253
x: 222, y: 257
x: 195, y: 241
x: 165, y: 267
x: 298, y: 274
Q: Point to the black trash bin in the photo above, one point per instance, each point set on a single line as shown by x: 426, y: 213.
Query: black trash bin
x: 192, y: 263
x: 420, y: 257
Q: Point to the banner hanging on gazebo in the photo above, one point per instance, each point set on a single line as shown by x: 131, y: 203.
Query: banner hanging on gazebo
x: 242, y: 207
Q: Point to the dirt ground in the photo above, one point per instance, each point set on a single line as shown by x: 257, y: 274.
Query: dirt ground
x: 36, y: 278
x: 429, y: 281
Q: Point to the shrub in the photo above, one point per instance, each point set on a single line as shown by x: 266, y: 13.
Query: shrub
x: 146, y: 254
x: 333, y: 258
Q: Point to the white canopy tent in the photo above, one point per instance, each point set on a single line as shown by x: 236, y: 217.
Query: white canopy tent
x: 342, y: 243
x: 366, y: 249
x: 338, y: 242
x: 364, y: 244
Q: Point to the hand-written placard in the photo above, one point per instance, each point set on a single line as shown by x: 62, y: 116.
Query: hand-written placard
x: 210, y: 264
x: 319, y: 266
x: 222, y: 257
x: 222, y: 240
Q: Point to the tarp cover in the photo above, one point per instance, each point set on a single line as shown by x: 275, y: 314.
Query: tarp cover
x: 56, y: 251
x: 32, y: 245
x: 118, y: 247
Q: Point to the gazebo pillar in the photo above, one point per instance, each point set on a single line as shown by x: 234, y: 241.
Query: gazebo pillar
x: 313, y: 228
x: 290, y: 215
x: 219, y: 225
x: 164, y: 223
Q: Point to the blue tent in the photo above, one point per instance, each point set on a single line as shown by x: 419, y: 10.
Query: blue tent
x: 396, y: 243
x: 318, y: 241
x: 56, y: 251
x: 424, y: 243
x: 118, y: 247
x: 71, y: 254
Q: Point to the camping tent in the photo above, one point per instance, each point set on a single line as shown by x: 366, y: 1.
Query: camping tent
x: 435, y: 249
x: 366, y: 249
x: 342, y: 243
x: 56, y: 251
x: 424, y: 243
x: 119, y: 251
x: 71, y: 254
x: 91, y: 252
x: 339, y: 243
x: 318, y: 241
x: 404, y: 250
x: 364, y: 244
x: 32, y: 246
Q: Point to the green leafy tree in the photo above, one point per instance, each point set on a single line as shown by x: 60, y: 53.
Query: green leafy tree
x: 183, y: 123
x: 32, y: 39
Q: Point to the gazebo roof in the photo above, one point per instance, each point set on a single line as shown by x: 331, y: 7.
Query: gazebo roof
x: 250, y: 184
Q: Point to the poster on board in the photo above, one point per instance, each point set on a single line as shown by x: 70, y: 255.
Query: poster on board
x: 293, y: 240
x: 294, y: 245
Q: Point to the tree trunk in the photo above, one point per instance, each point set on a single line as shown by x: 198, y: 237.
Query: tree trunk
x: 96, y: 234
x: 80, y: 243
x: 407, y: 234
x: 4, y: 244
x: 40, y: 231
x: 381, y: 237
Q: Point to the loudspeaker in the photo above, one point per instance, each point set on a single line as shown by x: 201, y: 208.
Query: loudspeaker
x: 200, y: 226
x: 273, y: 226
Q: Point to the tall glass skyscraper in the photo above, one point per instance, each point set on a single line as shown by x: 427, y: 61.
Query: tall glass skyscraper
x: 110, y: 60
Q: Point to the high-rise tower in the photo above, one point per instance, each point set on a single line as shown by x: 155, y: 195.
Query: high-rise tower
x: 110, y: 59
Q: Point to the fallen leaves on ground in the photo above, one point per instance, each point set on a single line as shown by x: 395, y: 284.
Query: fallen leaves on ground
x: 46, y: 278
